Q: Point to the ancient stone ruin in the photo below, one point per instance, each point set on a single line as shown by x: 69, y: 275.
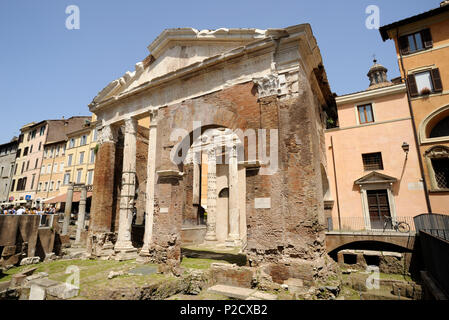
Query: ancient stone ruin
x: 217, y: 138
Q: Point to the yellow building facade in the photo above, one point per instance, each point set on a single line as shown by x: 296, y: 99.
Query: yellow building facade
x: 80, y: 156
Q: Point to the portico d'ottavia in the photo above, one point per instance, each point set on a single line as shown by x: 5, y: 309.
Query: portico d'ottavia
x: 228, y: 81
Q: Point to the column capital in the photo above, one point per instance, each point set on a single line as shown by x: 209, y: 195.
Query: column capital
x: 108, y: 134
x: 131, y: 125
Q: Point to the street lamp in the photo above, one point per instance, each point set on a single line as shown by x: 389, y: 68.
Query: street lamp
x: 406, y: 148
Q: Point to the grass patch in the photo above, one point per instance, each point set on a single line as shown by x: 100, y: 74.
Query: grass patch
x: 197, y: 263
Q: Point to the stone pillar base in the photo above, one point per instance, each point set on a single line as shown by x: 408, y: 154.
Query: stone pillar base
x: 231, y: 243
x: 126, y: 255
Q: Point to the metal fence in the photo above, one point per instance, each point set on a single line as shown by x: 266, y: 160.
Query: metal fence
x: 46, y: 220
x: 435, y: 252
x: 373, y: 224
x: 435, y: 224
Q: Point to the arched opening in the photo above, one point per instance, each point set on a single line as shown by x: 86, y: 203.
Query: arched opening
x: 215, y: 182
x: 441, y: 129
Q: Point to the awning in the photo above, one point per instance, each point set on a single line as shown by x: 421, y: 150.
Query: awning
x: 63, y: 197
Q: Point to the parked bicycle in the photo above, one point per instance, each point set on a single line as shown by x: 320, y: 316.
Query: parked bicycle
x: 401, y: 226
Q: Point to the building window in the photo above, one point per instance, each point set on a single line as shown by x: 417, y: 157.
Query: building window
x: 36, y: 164
x: 372, y: 161
x: 83, y: 140
x: 55, y: 168
x: 46, y: 186
x: 72, y: 143
x: 43, y: 170
x: 61, y: 167
x: 365, y: 113
x: 441, y: 170
x: 67, y: 178
x: 79, y: 174
x: 52, y: 184
x: 81, y: 157
x: 58, y: 185
x: 25, y: 151
x: 31, y: 149
x: 13, y: 185
x: 92, y: 155
x: 39, y: 187
x: 49, y: 169
x: 42, y: 131
x: 32, y: 182
x: 415, y: 42
x: 69, y: 161
x: 424, y: 83
x: 90, y: 177
x: 18, y: 153
x: 437, y: 159
x: 40, y: 146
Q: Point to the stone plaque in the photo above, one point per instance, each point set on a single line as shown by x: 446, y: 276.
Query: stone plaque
x: 262, y: 203
x: 415, y: 186
x: 163, y: 210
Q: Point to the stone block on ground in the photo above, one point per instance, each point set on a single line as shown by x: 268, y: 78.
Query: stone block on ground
x: 30, y: 260
x: 231, y: 275
x: 63, y: 291
x: 37, y: 292
x: 231, y: 291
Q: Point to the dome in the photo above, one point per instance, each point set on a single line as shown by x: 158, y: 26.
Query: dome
x: 377, y: 75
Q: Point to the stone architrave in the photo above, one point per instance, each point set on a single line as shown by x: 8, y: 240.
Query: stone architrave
x: 234, y: 216
x: 211, y: 234
x: 150, y: 189
x: 124, y: 244
x: 68, y: 209
x: 81, y: 214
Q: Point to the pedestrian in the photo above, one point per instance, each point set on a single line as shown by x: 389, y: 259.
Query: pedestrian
x: 20, y: 211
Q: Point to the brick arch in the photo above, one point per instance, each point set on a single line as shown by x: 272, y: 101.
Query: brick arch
x: 335, y: 243
x: 211, y: 117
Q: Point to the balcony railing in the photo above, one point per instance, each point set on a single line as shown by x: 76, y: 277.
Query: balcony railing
x: 352, y: 224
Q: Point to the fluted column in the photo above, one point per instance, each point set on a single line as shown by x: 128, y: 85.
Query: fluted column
x: 150, y: 188
x: 128, y: 190
x: 81, y: 214
x: 234, y: 217
x: 211, y: 234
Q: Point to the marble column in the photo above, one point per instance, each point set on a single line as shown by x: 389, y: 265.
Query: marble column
x: 234, y: 216
x: 81, y: 214
x: 196, y: 179
x: 211, y: 195
x: 68, y: 210
x: 128, y: 190
x: 150, y: 188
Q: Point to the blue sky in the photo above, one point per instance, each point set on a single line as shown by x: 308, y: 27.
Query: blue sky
x: 48, y: 71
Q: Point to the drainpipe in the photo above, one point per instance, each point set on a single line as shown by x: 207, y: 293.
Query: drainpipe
x: 336, y: 185
x: 415, y: 134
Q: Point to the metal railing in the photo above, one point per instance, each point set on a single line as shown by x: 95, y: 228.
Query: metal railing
x: 352, y: 224
x: 46, y: 220
x: 435, y: 252
x: 434, y: 224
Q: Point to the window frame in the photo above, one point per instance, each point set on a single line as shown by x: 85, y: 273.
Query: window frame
x: 364, y: 105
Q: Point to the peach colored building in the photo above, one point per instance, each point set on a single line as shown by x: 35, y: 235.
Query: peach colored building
x: 422, y: 49
x: 370, y: 174
x: 30, y: 154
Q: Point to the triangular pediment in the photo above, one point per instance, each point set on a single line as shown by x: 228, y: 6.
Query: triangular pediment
x: 175, y: 49
x: 374, y: 178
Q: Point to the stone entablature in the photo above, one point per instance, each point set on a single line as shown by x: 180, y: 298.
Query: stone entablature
x: 280, y: 57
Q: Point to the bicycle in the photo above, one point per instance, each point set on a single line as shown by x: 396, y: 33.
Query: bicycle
x: 402, y: 226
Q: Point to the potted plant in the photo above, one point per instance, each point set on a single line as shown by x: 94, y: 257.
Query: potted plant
x: 425, y: 91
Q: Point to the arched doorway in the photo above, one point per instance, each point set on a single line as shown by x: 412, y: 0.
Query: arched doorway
x: 218, y: 186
